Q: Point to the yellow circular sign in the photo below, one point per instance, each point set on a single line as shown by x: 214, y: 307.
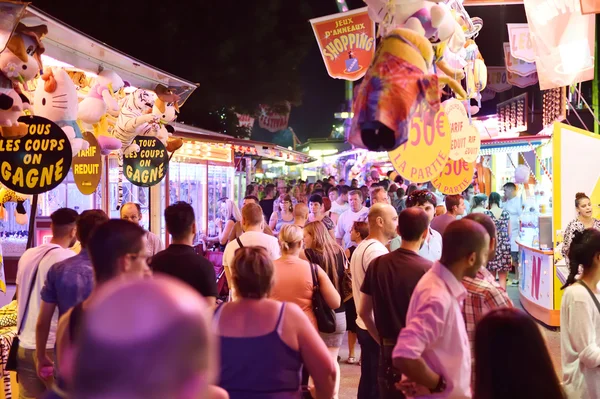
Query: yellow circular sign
x: 459, y: 122
x: 472, y: 144
x: 455, y: 178
x: 423, y: 156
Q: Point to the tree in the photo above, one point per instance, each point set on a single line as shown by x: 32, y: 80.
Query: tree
x: 243, y: 53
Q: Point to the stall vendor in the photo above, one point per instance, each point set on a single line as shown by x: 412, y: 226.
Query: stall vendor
x: 584, y: 220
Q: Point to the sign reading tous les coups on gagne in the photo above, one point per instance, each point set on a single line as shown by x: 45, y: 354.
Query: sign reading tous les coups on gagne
x: 87, y: 166
x: 148, y: 166
x: 37, y: 162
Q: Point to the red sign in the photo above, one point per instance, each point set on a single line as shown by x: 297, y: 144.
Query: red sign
x: 347, y: 43
x: 273, y: 121
x: 536, y: 276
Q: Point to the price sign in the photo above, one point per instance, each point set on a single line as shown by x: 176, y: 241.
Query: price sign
x: 521, y: 45
x: 515, y: 65
x: 455, y: 178
x: 37, y: 162
x: 148, y: 166
x: 459, y: 121
x: 87, y: 166
x: 424, y: 155
x: 522, y: 81
x: 472, y: 143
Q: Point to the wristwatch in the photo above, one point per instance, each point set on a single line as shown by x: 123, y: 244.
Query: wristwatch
x: 441, y: 385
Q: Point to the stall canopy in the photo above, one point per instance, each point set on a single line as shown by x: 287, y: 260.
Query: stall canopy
x: 515, y: 144
x: 79, y: 50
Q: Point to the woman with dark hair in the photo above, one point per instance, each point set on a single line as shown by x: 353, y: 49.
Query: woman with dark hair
x: 580, y: 318
x: 532, y: 372
x: 502, y: 262
x: 319, y: 214
x: 584, y: 220
x: 265, y: 342
x: 282, y: 216
x: 479, y: 203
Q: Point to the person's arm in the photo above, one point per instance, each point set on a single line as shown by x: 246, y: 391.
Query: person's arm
x: 334, y: 217
x: 273, y: 221
x: 224, y: 237
x: 365, y: 312
x: 42, y: 330
x: 582, y: 333
x: 423, y: 328
x: 567, y: 237
x: 339, y: 233
x: 330, y: 294
x: 347, y: 252
x: 315, y: 355
x: 232, y: 234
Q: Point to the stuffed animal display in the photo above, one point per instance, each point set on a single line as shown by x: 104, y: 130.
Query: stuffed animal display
x: 7, y: 195
x: 55, y: 98
x: 397, y: 84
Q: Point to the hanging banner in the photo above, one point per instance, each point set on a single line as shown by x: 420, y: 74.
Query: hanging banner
x: 424, y: 155
x: 245, y: 121
x: 472, y: 143
x: 487, y: 94
x: 564, y: 41
x: 37, y: 162
x: 149, y: 165
x: 273, y: 121
x: 522, y: 81
x: 521, y: 45
x: 516, y: 65
x: 458, y: 120
x: 455, y: 178
x: 497, y: 79
x: 87, y: 166
x: 590, y: 6
x: 347, y: 43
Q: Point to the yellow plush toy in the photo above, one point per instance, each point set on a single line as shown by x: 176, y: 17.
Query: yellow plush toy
x: 395, y: 86
x: 7, y: 195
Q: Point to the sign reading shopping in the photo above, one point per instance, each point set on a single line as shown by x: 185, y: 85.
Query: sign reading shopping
x: 347, y: 43
x: 37, y: 162
x: 149, y: 165
x: 423, y: 156
x: 87, y: 166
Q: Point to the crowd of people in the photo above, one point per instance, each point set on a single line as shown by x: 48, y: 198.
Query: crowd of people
x: 423, y: 295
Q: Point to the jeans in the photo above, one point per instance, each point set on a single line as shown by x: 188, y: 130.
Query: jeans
x: 30, y: 385
x: 367, y: 387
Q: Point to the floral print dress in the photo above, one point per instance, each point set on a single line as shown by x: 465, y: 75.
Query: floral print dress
x: 503, y: 261
x: 573, y: 226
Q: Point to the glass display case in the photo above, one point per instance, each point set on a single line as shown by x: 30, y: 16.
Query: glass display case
x: 220, y: 186
x: 187, y: 182
x: 131, y: 193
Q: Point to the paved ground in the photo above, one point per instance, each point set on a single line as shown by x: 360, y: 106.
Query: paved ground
x: 351, y: 373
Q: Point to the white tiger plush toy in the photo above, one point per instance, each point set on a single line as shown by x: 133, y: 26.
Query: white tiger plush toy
x: 134, y: 119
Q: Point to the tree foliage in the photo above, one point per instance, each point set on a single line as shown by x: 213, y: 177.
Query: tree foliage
x: 243, y: 53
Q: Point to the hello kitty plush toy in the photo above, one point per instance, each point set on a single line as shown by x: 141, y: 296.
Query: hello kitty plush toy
x: 55, y: 98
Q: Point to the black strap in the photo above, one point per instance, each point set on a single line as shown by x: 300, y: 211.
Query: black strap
x: 363, y: 257
x: 591, y: 294
x: 239, y: 242
x: 75, y: 321
x: 315, y: 276
x: 31, y: 290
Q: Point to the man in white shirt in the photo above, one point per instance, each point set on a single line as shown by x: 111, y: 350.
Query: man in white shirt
x: 133, y: 213
x: 40, y: 258
x: 383, y: 222
x: 340, y: 205
x: 514, y: 206
x: 356, y: 212
x: 252, y: 224
x: 432, y: 351
x: 432, y: 247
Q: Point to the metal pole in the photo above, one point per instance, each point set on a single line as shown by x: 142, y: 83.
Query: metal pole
x: 595, y: 99
x: 32, y: 216
x: 343, y: 7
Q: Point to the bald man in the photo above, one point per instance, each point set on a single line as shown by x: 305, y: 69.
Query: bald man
x: 127, y: 341
x: 301, y: 213
x: 383, y: 221
x: 133, y: 213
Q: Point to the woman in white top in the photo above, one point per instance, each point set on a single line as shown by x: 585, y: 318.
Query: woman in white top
x: 580, y: 318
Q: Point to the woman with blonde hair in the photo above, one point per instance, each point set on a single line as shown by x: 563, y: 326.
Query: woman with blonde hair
x: 293, y: 280
x: 231, y: 215
x: 323, y: 250
x: 264, y: 342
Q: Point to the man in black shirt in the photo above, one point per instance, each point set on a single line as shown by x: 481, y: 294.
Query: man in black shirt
x: 267, y: 203
x: 388, y: 285
x: 179, y: 259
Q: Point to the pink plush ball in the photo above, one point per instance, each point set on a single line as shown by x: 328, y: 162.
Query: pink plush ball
x: 522, y: 174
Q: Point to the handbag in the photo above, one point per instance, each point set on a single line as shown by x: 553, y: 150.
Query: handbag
x: 11, y: 361
x: 323, y: 313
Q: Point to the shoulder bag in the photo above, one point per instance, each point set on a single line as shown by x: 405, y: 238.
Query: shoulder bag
x: 323, y: 313
x: 11, y: 362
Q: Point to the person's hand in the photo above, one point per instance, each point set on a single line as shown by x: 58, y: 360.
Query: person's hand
x: 45, y: 367
x: 411, y: 389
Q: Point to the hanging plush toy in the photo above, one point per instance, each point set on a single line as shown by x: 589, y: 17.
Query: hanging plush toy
x: 167, y: 113
x: 7, y: 195
x: 20, y: 62
x: 395, y: 86
x: 55, y: 98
